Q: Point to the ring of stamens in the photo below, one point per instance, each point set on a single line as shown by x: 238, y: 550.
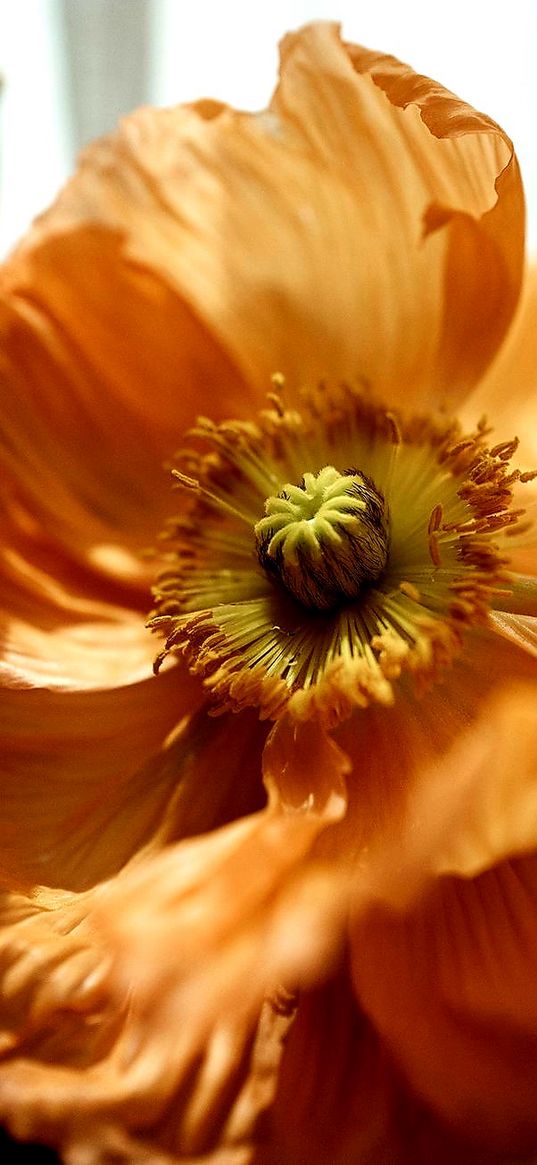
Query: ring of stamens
x: 293, y: 582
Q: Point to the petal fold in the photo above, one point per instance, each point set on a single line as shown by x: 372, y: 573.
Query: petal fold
x: 304, y: 770
x: 197, y: 935
x: 101, y: 375
x: 336, y: 1088
x: 444, y: 939
x: 255, y: 227
x: 450, y: 986
x: 90, y: 780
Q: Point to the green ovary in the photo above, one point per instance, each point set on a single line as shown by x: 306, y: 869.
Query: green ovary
x: 326, y: 538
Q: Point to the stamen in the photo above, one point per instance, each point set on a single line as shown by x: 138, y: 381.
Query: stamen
x: 220, y: 503
x: 411, y: 591
x: 505, y: 449
x: 435, y: 519
x: 353, y: 575
x: 434, y: 549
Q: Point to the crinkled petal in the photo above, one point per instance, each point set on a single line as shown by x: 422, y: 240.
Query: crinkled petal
x: 368, y: 225
x: 81, y: 823
x: 52, y: 978
x: 197, y: 935
x: 441, y: 228
x: 191, y: 938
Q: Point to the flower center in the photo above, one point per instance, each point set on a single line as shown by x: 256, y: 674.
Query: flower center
x: 319, y: 597
x: 324, y: 538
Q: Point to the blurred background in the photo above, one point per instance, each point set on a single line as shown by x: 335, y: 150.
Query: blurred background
x: 71, y: 67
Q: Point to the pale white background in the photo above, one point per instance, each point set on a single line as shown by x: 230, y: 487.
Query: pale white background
x: 485, y: 50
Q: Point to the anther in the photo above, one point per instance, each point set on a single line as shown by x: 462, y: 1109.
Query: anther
x: 434, y: 549
x: 435, y: 518
x: 505, y: 449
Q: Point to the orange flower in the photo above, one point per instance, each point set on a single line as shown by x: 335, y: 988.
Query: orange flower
x: 275, y: 904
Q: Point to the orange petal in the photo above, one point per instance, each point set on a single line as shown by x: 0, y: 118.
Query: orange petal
x: 197, y: 934
x: 304, y: 770
x: 335, y: 1096
x: 444, y: 939
x: 341, y: 1098
x: 65, y: 628
x: 508, y: 397
x: 76, y: 825
x: 90, y: 778
x: 520, y: 629
x: 52, y: 978
x: 214, y: 901
x: 508, y: 393
x: 441, y: 228
x: 103, y: 373
x: 87, y: 776
x: 478, y: 806
x: 368, y: 225
x: 451, y: 988
x: 387, y: 778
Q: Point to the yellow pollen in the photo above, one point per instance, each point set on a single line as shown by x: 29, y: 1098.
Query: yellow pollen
x: 325, y: 538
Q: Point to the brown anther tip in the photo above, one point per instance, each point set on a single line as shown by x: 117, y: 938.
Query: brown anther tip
x: 436, y: 518
x: 434, y: 549
x: 505, y: 449
x: 461, y: 447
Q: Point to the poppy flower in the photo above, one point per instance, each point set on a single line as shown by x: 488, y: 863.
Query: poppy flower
x: 275, y: 902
